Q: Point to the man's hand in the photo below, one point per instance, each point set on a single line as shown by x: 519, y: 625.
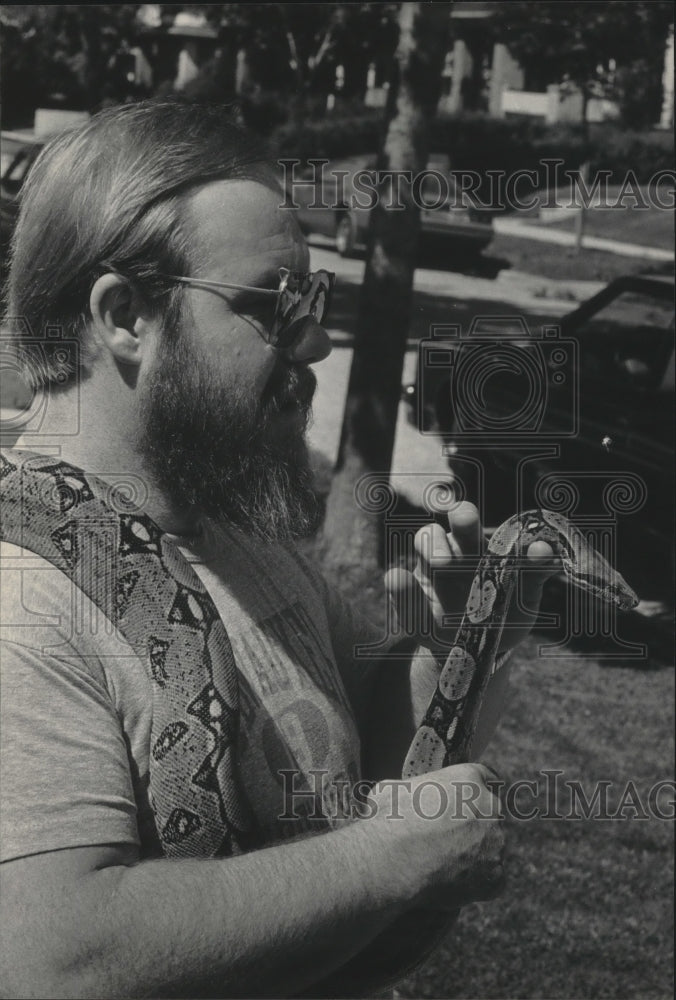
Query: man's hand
x: 430, y: 600
x: 448, y: 828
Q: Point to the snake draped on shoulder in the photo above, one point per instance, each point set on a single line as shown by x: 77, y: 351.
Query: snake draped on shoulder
x: 123, y: 562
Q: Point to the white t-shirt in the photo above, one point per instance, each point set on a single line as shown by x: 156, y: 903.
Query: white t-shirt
x: 75, y: 700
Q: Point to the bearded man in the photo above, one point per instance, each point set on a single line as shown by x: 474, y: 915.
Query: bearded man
x: 159, y: 692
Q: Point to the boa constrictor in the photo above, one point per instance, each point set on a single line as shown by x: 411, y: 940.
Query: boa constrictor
x: 447, y: 729
x: 124, y: 563
x: 445, y: 734
x: 116, y: 555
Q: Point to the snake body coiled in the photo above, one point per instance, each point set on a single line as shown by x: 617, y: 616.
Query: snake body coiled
x: 446, y: 732
x: 159, y: 605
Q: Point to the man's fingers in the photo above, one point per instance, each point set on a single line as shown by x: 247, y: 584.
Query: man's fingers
x: 433, y: 548
x: 439, y: 584
x: 525, y: 605
x: 542, y: 554
x: 412, y: 607
x: 438, y: 549
x: 465, y: 528
x: 541, y: 565
x: 488, y: 773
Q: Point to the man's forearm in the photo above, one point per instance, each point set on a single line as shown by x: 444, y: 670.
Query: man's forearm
x: 269, y: 923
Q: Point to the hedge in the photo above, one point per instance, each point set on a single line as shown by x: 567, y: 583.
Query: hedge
x: 329, y: 138
x: 480, y: 143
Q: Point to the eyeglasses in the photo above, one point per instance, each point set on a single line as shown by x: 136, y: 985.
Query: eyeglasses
x: 300, y: 295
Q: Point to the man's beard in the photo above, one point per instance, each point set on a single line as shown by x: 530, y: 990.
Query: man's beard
x: 238, y: 462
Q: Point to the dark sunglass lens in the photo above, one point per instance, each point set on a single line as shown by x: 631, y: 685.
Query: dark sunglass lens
x: 302, y: 297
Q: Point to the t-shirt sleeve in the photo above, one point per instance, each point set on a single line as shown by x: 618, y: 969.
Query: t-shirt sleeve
x: 65, y: 778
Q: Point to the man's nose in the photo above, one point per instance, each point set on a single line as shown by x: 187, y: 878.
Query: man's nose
x: 311, y: 343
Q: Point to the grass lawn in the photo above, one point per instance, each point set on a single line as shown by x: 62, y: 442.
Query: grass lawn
x: 652, y: 227
x: 649, y: 227
x: 588, y: 909
x: 565, y: 263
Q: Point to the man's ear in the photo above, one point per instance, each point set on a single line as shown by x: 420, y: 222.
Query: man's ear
x: 118, y: 319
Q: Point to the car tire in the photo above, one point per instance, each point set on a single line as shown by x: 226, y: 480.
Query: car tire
x: 346, y: 236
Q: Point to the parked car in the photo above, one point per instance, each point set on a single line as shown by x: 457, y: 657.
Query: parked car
x: 18, y: 151
x: 580, y: 414
x: 334, y: 202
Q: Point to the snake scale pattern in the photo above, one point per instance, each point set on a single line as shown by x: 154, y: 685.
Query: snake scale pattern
x: 130, y: 569
x: 447, y: 729
x: 124, y: 563
x: 445, y: 734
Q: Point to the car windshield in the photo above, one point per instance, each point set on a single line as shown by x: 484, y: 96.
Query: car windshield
x: 17, y: 158
x: 631, y: 336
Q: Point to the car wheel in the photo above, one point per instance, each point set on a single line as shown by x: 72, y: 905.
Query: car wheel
x: 346, y: 236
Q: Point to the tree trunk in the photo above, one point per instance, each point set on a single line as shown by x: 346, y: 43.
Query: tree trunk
x: 243, y: 80
x: 581, y: 218
x: 353, y: 538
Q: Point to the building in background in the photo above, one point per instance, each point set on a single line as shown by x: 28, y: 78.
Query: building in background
x: 480, y: 74
x: 176, y: 45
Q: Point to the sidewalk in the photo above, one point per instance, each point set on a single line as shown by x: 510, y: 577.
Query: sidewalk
x: 418, y: 460
x: 518, y: 288
x: 544, y: 234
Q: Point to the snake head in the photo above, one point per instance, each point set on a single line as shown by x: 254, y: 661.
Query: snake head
x: 620, y: 593
x: 587, y: 568
x: 593, y: 573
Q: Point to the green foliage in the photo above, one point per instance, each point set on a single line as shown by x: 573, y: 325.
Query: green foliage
x: 60, y: 55
x: 620, y: 151
x: 264, y: 111
x: 480, y: 143
x: 505, y: 145
x: 638, y: 90
x: 330, y: 137
x: 295, y: 47
x: 613, y: 48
